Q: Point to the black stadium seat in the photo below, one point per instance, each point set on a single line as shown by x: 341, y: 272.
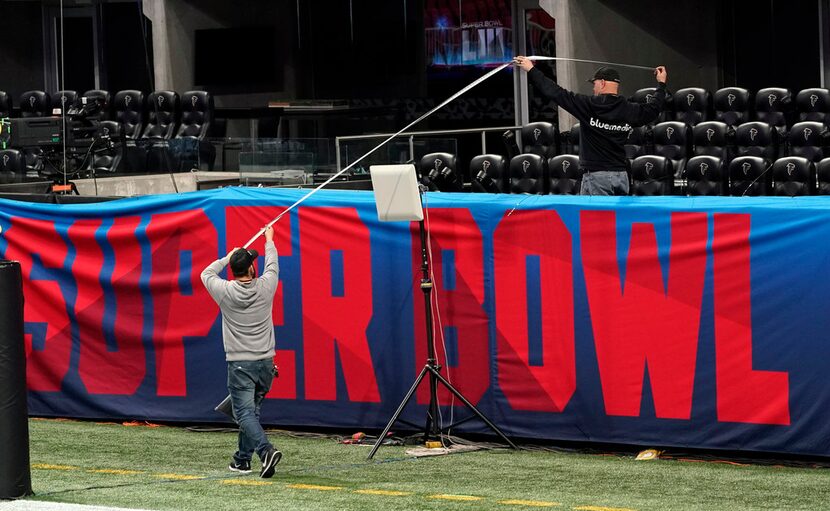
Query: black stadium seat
x: 651, y: 175
x: 35, y: 103
x: 637, y: 141
x: 756, y: 139
x: 748, y: 176
x: 63, y: 100
x: 573, y: 140
x: 813, y: 105
x: 162, y: 121
x: 773, y: 106
x: 647, y: 96
x: 540, y: 138
x: 807, y: 139
x: 732, y: 105
x: 106, y: 158
x: 97, y: 104
x: 197, y: 116
x: 793, y: 175
x: 527, y: 174
x: 823, y: 176
x: 488, y: 173
x: 439, y: 171
x: 712, y: 138
x: 692, y: 105
x: 11, y: 165
x: 673, y: 140
x: 705, y: 176
x: 564, y: 177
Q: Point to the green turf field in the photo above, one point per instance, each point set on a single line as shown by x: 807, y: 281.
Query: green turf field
x: 172, y: 468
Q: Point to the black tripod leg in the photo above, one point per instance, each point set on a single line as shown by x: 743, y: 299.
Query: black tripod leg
x: 398, y: 411
x: 469, y: 405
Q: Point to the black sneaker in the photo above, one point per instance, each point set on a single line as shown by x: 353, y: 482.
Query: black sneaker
x: 243, y: 467
x: 269, y: 463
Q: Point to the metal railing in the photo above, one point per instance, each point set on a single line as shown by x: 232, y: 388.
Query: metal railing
x: 412, y: 134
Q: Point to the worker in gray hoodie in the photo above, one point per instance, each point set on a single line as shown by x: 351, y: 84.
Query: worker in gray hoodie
x: 248, y: 336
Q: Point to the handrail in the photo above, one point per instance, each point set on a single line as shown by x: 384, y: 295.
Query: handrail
x: 413, y: 134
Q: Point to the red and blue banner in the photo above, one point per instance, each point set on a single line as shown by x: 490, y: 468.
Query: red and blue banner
x: 655, y: 321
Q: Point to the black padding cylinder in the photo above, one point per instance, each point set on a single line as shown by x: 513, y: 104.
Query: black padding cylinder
x: 15, y: 472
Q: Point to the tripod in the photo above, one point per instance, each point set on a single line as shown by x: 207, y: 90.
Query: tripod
x: 431, y: 368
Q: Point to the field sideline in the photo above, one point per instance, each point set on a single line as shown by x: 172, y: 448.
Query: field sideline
x: 173, y: 468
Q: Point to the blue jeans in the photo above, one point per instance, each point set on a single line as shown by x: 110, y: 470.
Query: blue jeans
x: 248, y: 382
x: 604, y: 183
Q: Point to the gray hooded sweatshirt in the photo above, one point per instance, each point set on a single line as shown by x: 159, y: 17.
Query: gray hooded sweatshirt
x: 247, y: 325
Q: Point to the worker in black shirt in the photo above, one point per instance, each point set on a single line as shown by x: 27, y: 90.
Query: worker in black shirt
x: 606, y: 118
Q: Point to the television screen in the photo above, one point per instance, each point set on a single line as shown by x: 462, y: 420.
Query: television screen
x: 238, y: 59
x: 467, y: 33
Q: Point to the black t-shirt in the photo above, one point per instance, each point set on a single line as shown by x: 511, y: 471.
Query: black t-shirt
x: 605, y: 121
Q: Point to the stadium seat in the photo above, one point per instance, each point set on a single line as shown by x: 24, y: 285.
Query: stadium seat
x: 572, y: 145
x: 488, y: 173
x: 128, y: 110
x: 96, y: 105
x: 673, y: 140
x: 35, y: 103
x: 732, y: 105
x: 5, y: 104
x: 774, y: 106
x: 823, y: 177
x: 748, y: 176
x: 756, y: 139
x: 647, y: 96
x: 692, y: 105
x: 11, y: 165
x: 197, y: 115
x: 63, y: 100
x: 807, y: 139
x: 652, y: 175
x: 162, y: 121
x: 705, y: 176
x: 564, y: 177
x: 526, y: 173
x: 793, y: 175
x: 713, y: 138
x: 540, y: 138
x: 108, y: 150
x: 813, y: 105
x: 439, y: 172
x: 637, y: 142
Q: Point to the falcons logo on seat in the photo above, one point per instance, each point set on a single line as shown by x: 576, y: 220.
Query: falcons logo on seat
x: 565, y: 165
x: 161, y: 100
x: 730, y: 98
x: 536, y: 133
x: 753, y: 132
x: 437, y: 163
x: 194, y: 100
x: 709, y: 134
x: 772, y: 98
x: 669, y: 132
x: 648, y: 167
x: 485, y: 165
x: 745, y: 167
x: 690, y: 98
x: 32, y: 100
x: 649, y: 98
x: 813, y: 100
x: 807, y: 133
x: 790, y: 168
x: 5, y: 159
x: 525, y: 166
x: 703, y: 168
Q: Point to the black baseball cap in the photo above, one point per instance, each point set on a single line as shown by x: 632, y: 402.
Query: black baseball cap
x: 608, y: 74
x: 241, y: 260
